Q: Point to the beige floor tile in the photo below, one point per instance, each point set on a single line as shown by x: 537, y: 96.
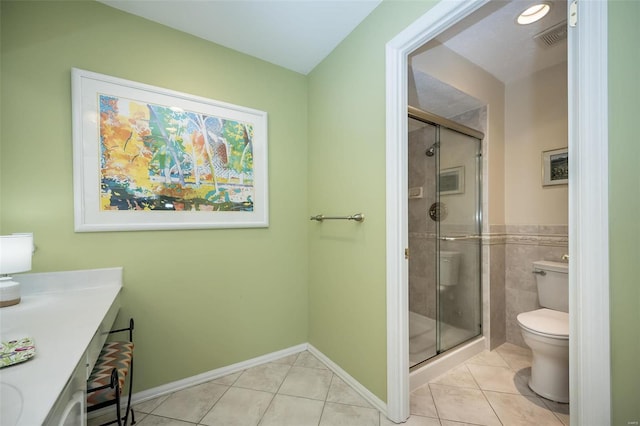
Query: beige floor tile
x: 266, y: 377
x: 560, y: 410
x: 488, y: 358
x: 348, y: 415
x: 463, y: 405
x: 307, y: 382
x: 510, y: 348
x: 519, y: 410
x: 150, y: 405
x: 300, y: 390
x: 108, y: 414
x: 412, y: 421
x: 229, y: 379
x: 292, y: 411
x: 288, y: 360
x: 524, y: 374
x: 139, y: 417
x: 458, y: 376
x: 191, y: 404
x: 516, y: 356
x: 499, y: 379
x: 421, y: 402
x: 103, y: 418
x: 342, y: 393
x: 152, y: 420
x: 306, y: 359
x: 239, y: 407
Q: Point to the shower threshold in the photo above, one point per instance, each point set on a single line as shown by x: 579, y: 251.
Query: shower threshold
x: 422, y: 337
x: 438, y: 365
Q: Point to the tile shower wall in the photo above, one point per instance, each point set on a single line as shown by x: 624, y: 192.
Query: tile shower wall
x: 493, y: 285
x: 422, y: 279
x: 524, y: 245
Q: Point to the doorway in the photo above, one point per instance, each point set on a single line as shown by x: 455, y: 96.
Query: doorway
x: 588, y: 191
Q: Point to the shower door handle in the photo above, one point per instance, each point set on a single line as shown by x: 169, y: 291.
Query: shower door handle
x: 459, y: 238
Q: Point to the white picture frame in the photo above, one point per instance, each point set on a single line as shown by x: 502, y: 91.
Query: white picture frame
x: 555, y: 167
x: 149, y: 158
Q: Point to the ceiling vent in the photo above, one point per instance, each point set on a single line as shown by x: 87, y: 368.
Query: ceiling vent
x: 552, y: 36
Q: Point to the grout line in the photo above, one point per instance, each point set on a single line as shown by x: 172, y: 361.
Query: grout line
x: 492, y: 408
x: 273, y: 398
x: 267, y: 409
x: 217, y: 400
x: 434, y: 401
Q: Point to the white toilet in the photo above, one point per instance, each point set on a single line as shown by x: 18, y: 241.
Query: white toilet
x: 546, y: 332
x: 449, y: 271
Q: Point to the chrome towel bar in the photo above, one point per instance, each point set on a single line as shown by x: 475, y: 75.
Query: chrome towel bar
x: 358, y: 217
x: 460, y: 237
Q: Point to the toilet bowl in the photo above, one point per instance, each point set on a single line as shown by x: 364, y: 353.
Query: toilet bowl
x: 546, y: 332
x: 448, y: 273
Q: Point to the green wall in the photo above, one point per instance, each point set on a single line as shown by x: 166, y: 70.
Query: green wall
x: 624, y: 205
x: 218, y: 296
x: 347, y: 280
x: 347, y: 172
x: 229, y: 295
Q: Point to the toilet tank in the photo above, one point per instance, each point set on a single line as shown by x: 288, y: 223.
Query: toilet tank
x: 552, y: 279
x: 449, y: 267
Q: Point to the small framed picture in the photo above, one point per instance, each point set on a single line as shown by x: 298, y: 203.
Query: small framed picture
x: 555, y: 167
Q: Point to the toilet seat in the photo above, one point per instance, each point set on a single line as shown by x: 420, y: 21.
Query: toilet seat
x: 546, y: 322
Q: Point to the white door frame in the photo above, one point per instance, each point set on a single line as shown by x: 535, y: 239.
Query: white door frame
x: 588, y: 207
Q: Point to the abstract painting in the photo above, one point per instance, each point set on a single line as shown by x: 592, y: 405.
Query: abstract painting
x: 151, y: 158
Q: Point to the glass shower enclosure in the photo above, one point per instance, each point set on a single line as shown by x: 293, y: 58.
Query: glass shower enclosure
x: 444, y: 224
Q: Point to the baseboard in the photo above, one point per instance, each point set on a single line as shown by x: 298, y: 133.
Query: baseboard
x: 168, y: 388
x: 178, y: 385
x: 338, y: 371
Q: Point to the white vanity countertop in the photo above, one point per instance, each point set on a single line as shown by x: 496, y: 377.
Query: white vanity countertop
x: 61, y: 311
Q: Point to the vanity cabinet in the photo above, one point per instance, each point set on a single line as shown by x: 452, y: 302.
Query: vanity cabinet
x: 68, y: 315
x: 71, y: 407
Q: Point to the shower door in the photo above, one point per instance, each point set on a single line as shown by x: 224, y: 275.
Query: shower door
x: 458, y: 239
x: 444, y: 227
x: 423, y: 274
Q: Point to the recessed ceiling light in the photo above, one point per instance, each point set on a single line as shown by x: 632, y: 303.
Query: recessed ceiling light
x: 533, y: 14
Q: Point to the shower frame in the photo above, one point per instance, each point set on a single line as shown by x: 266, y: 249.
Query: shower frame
x: 441, y: 122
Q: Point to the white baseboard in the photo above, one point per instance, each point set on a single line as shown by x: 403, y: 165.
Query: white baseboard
x: 168, y: 388
x: 178, y: 385
x: 338, y: 371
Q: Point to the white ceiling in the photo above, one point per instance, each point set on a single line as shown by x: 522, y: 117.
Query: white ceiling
x: 299, y: 34
x: 295, y: 34
x: 493, y: 40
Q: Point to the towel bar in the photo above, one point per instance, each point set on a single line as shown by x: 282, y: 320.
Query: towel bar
x: 358, y: 217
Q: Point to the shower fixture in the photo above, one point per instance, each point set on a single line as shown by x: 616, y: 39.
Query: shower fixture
x: 432, y: 149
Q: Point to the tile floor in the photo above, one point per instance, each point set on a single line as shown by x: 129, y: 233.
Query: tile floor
x: 298, y: 390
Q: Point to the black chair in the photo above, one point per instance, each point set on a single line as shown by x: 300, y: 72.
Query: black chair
x: 106, y: 382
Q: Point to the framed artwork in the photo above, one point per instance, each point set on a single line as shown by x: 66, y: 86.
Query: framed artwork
x: 451, y: 181
x: 555, y: 167
x: 148, y: 158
